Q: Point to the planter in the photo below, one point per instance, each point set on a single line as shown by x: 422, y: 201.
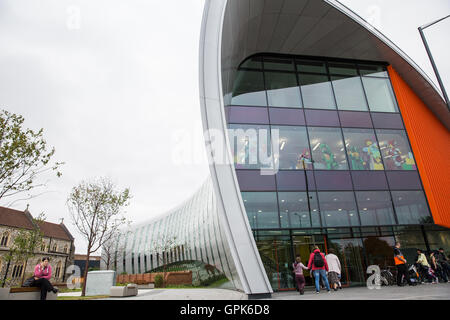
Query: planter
x: 4, y: 293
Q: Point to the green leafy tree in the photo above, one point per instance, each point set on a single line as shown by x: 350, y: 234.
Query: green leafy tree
x: 96, y: 210
x: 24, y: 246
x: 24, y: 155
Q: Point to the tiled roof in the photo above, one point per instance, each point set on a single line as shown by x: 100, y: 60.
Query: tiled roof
x: 22, y: 219
x: 14, y: 218
x: 53, y: 230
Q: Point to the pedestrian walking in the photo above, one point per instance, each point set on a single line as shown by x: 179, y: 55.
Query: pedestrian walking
x: 334, y: 269
x: 318, y: 264
x: 437, y: 268
x: 299, y: 277
x: 443, y: 261
x: 400, y: 263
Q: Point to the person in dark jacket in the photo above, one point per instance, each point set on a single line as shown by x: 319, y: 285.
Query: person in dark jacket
x: 318, y: 264
x: 443, y: 262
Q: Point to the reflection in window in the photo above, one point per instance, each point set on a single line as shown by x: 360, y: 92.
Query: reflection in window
x: 362, y: 149
x: 375, y: 208
x: 411, y: 207
x: 293, y: 144
x: 316, y: 91
x: 262, y: 209
x: 349, y: 93
x: 282, y: 90
x: 395, y: 150
x: 250, y: 146
x: 338, y: 209
x: 380, y: 95
x: 294, y: 211
x: 328, y: 150
x: 248, y: 89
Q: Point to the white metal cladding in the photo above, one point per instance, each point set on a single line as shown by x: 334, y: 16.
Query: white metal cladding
x: 196, y: 226
x: 230, y: 207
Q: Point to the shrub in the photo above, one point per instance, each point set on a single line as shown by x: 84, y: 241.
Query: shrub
x: 158, y: 281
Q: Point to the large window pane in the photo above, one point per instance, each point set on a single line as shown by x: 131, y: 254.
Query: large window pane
x: 293, y: 143
x: 395, y: 149
x: 343, y: 68
x: 248, y: 89
x: 380, y: 95
x: 316, y: 91
x: 272, y: 63
x: 254, y: 63
x: 375, y: 208
x: 294, y: 211
x: 262, y: 209
x: 411, y: 207
x: 338, y: 209
x: 328, y: 150
x: 250, y: 146
x: 373, y: 71
x: 349, y: 93
x: 362, y: 149
x: 282, y: 90
x: 311, y: 66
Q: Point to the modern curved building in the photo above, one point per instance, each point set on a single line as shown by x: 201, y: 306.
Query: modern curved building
x: 320, y: 131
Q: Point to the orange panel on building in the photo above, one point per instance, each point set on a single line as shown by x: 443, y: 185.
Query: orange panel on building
x: 430, y: 142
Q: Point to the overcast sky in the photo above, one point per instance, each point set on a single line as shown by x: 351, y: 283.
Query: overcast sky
x: 111, y: 81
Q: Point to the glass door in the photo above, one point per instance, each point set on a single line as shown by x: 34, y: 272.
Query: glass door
x: 303, y: 245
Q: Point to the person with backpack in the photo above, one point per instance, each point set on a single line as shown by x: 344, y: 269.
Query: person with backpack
x: 443, y: 262
x: 299, y: 277
x: 334, y: 269
x: 318, y: 264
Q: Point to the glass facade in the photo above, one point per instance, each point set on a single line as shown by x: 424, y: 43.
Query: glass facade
x: 358, y: 181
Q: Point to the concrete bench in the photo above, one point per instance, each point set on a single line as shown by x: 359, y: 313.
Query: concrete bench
x: 129, y: 290
x: 29, y: 293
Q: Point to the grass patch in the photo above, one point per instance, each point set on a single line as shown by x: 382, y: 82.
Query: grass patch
x: 218, y: 283
x: 83, y: 298
x: 66, y: 290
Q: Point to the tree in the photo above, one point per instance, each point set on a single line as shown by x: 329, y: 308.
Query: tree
x: 96, y: 210
x: 112, y: 248
x: 24, y: 156
x: 24, y: 246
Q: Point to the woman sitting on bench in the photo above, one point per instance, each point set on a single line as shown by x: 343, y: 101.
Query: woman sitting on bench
x: 42, y: 275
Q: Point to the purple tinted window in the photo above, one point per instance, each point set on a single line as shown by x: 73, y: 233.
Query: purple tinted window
x: 252, y: 180
x: 322, y: 118
x: 294, y: 180
x: 369, y: 180
x: 403, y: 180
x: 387, y: 120
x: 286, y: 116
x: 355, y: 119
x: 247, y: 115
x: 333, y: 180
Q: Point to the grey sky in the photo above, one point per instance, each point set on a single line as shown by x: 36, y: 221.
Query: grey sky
x: 109, y: 81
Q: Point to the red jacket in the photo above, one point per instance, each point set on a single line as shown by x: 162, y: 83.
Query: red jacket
x: 311, y: 260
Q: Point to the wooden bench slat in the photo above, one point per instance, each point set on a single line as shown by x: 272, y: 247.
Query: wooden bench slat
x: 25, y: 289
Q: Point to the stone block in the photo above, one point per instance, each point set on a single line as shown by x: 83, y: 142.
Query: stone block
x: 100, y: 282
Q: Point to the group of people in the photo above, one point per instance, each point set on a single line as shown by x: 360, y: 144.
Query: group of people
x: 437, y: 268
x: 326, y: 268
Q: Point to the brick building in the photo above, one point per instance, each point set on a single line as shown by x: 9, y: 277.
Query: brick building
x: 58, y: 245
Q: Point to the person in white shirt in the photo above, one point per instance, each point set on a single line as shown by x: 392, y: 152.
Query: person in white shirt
x: 334, y: 269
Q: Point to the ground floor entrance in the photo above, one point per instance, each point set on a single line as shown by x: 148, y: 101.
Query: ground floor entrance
x: 356, y: 248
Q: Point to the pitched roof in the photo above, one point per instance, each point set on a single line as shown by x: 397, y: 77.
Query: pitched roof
x: 53, y: 230
x: 23, y: 219
x: 14, y: 218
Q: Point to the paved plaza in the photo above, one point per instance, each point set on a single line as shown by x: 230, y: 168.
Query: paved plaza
x: 420, y: 292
